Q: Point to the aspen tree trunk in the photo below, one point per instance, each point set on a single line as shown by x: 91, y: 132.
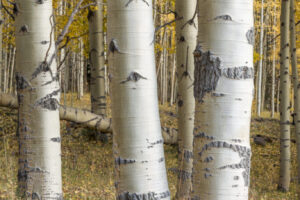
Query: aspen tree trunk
x: 39, y: 174
x: 12, y: 68
x: 1, y: 51
x: 138, y: 143
x: 173, y: 78
x: 261, y: 50
x: 186, y: 44
x: 285, y: 154
x: 4, y: 70
x: 223, y: 90
x: 79, y: 71
x: 264, y: 73
x: 97, y: 60
x: 278, y: 93
x: 274, y: 65
x: 296, y: 85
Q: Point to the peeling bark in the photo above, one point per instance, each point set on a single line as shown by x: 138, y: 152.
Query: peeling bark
x: 223, y: 90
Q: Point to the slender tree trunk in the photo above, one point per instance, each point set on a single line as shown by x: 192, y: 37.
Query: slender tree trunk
x: 186, y: 44
x: 261, y: 50
x: 285, y: 154
x: 223, y: 90
x: 4, y: 70
x: 173, y: 79
x: 97, y: 60
x: 278, y: 98
x: 138, y: 143
x: 1, y: 45
x: 12, y: 68
x: 274, y: 65
x: 295, y: 82
x: 39, y: 174
x: 264, y: 78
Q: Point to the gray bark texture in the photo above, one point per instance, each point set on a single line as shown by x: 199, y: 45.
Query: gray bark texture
x: 186, y: 33
x: 97, y: 60
x: 296, y: 85
x: 285, y: 151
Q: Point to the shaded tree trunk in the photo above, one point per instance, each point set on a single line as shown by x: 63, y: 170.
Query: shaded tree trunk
x: 285, y: 154
x: 274, y: 65
x: 186, y: 44
x: 39, y: 174
x: 296, y: 85
x: 97, y: 60
x: 223, y: 91
x: 138, y: 143
x: 260, y: 66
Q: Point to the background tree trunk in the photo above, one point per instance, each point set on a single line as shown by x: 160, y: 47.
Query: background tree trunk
x: 97, y: 60
x: 261, y: 50
x: 296, y: 85
x: 39, y: 174
x: 223, y: 91
x: 138, y: 144
x: 285, y: 154
x: 186, y: 31
x: 274, y: 66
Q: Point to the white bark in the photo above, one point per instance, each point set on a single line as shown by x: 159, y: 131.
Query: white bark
x: 223, y: 91
x: 186, y: 30
x: 285, y: 153
x: 138, y: 143
x: 274, y: 65
x: 39, y: 175
x: 261, y: 52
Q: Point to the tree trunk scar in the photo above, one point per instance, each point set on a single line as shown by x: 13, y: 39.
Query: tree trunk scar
x: 209, y: 69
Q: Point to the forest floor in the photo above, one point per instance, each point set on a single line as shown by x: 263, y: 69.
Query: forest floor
x: 87, y: 162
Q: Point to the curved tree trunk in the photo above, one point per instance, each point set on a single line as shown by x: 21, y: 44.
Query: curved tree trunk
x: 39, y: 174
x: 97, y: 60
x: 296, y: 85
x: 138, y: 143
x: 223, y: 92
x: 186, y: 30
x: 285, y: 154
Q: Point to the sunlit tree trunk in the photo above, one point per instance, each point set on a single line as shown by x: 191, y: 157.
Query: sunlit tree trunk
x: 285, y: 154
x: 138, y: 144
x: 223, y: 90
x: 97, y: 60
x: 296, y: 85
x: 186, y: 31
x: 260, y: 66
x: 39, y: 174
